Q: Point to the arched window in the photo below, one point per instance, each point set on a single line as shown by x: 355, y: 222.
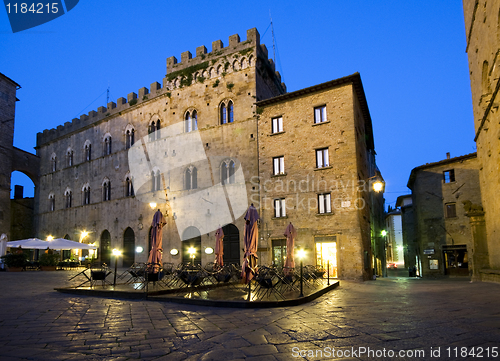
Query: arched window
x: 223, y: 114
x: 68, y: 197
x: 129, y: 187
x: 226, y: 112
x: 129, y: 138
x: 106, y: 190
x: 88, y: 151
x: 155, y: 180
x: 191, y: 178
x: 219, y: 70
x: 107, y: 145
x: 191, y: 121
x: 69, y: 157
x: 250, y: 60
x: 53, y: 162
x: 154, y: 130
x: 484, y: 80
x: 230, y: 112
x: 52, y: 202
x: 86, y: 194
x: 243, y: 63
x: 235, y: 65
x: 211, y: 73
x: 227, y: 171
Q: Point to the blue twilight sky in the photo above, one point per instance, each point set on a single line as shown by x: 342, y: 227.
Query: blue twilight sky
x: 411, y: 57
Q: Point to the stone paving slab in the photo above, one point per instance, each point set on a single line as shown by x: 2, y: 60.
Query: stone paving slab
x: 400, y: 314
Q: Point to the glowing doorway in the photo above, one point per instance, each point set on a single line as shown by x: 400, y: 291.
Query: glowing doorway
x: 326, y: 253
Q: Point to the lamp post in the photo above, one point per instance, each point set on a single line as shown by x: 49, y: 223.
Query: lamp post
x: 328, y: 271
x: 116, y: 253
x: 301, y: 253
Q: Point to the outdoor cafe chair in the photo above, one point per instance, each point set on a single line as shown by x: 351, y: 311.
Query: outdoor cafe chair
x: 288, y: 279
x: 267, y: 282
x: 136, y: 273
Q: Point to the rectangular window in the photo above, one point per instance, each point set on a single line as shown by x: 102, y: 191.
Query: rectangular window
x: 279, y: 208
x: 324, y: 203
x: 322, y: 159
x: 279, y: 165
x: 449, y: 176
x: 451, y: 210
x: 320, y: 114
x: 277, y: 125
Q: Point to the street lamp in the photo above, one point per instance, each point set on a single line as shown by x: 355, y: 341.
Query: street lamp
x: 301, y: 254
x: 117, y: 253
x: 152, y: 205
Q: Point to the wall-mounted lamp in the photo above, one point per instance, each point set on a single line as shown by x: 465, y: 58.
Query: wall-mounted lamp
x: 174, y: 252
x: 209, y: 250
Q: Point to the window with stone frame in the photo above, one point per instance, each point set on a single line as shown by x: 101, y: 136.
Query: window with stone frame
x: 227, y: 170
x: 129, y: 138
x: 320, y: 114
x: 322, y: 159
x: 226, y: 112
x: 155, y: 180
x: 106, y: 191
x: 86, y: 195
x: 191, y: 178
x: 107, y: 146
x: 449, y: 176
x: 277, y: 125
x: 450, y: 210
x: 88, y: 152
x: 129, y: 187
x: 68, y: 198
x: 154, y: 130
x: 279, y: 208
x: 191, y: 121
x: 324, y: 203
x: 53, y: 163
x: 279, y: 165
x: 52, y: 203
x: 69, y: 158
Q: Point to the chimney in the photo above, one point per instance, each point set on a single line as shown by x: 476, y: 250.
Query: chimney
x: 447, y: 155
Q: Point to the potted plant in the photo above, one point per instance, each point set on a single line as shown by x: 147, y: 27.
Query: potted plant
x: 48, y: 261
x: 15, y: 262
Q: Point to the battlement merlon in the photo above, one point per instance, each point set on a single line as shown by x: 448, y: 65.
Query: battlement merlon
x: 218, y: 49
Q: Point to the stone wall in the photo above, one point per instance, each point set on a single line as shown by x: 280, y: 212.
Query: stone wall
x: 344, y: 135
x: 435, y: 229
x: 483, y: 50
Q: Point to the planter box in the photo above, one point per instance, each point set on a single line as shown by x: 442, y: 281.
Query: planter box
x: 14, y: 269
x: 48, y: 268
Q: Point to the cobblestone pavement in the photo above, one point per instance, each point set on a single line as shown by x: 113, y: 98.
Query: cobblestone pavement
x: 445, y: 317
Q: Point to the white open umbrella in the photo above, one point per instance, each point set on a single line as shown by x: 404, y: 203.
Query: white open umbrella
x: 57, y: 243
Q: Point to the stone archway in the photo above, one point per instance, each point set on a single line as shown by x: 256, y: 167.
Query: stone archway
x: 128, y: 247
x: 191, y: 237
x: 105, y: 247
x: 231, y: 243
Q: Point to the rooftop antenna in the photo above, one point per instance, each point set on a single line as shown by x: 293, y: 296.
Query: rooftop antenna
x: 272, y: 32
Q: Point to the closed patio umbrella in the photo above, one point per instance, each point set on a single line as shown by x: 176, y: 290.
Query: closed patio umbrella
x: 290, y: 234
x: 3, y: 244
x: 156, y: 252
x: 251, y: 236
x: 219, y: 247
